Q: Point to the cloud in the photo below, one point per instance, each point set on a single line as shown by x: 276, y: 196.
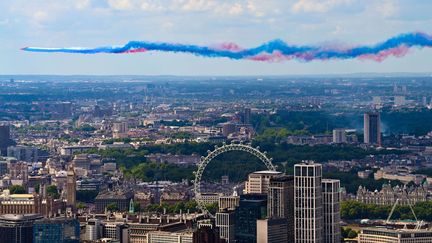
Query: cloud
x: 317, y: 6
x: 121, y: 4
x: 387, y: 8
x: 236, y: 9
x: 82, y: 4
x: 147, y: 5
x: 40, y: 16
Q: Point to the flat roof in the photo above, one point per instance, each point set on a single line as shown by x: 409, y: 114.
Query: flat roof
x: 267, y: 172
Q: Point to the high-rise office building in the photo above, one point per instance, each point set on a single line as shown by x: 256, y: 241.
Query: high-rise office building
x: 93, y: 230
x: 272, y: 231
x: 339, y: 136
x: 281, y: 203
x: 23, y: 153
x: 251, y: 208
x: 5, y: 139
x: 56, y: 230
x: 372, y: 128
x: 3, y: 168
x: 331, y: 210
x: 308, y: 211
x: 259, y: 181
x: 225, y: 221
x: 17, y: 228
x: 247, y: 116
x: 71, y: 188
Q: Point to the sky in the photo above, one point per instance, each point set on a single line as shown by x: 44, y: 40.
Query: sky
x: 92, y: 23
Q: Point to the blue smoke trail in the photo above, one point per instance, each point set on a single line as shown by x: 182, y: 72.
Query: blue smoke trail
x: 270, y: 51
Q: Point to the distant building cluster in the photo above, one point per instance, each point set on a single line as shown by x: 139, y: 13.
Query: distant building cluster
x: 388, y: 195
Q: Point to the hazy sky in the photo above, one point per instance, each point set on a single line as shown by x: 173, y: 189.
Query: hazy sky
x: 90, y: 23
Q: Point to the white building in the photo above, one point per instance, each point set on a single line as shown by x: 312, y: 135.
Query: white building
x: 308, y: 211
x: 331, y: 210
x: 339, y: 136
x: 167, y: 237
x: 93, y: 230
x: 258, y: 182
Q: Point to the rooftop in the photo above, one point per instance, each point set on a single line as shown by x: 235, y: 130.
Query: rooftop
x: 269, y: 172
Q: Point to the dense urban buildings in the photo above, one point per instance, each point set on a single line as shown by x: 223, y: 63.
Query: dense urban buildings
x: 121, y: 160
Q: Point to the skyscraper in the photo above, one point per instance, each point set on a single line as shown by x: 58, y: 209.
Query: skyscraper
x: 339, y: 136
x: 251, y: 208
x: 71, y: 187
x: 372, y: 128
x: 247, y: 116
x: 17, y: 228
x: 5, y: 139
x: 308, y: 211
x: 281, y: 202
x: 225, y: 221
x: 331, y: 210
x: 272, y: 231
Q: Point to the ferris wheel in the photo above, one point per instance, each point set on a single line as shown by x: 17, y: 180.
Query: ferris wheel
x: 262, y: 156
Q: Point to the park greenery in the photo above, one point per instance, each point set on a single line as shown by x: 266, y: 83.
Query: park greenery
x: 349, y: 233
x: 134, y: 164
x: 402, y: 121
x: 112, y: 207
x: 17, y: 189
x: 158, y: 171
x: 52, y: 191
x: 352, y: 210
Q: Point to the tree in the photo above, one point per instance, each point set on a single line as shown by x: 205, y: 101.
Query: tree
x: 352, y: 234
x: 17, y: 189
x: 112, y: 207
x: 52, y: 191
x: 81, y: 205
x: 137, y: 207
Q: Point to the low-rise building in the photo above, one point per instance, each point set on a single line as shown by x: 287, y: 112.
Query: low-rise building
x: 380, y: 235
x: 120, y: 198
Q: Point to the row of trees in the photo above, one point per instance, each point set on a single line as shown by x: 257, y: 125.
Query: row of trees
x: 51, y: 190
x: 357, y: 210
x: 158, y: 171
